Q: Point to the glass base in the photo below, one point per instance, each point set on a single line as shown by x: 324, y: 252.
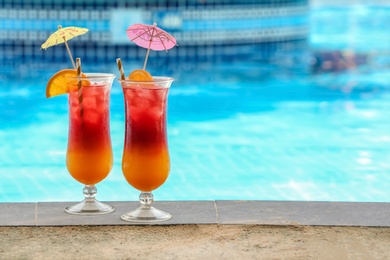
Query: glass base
x: 146, y: 215
x: 90, y: 207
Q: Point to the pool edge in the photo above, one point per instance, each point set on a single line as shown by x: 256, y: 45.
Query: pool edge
x: 220, y: 212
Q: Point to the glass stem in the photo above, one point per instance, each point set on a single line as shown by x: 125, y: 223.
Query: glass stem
x: 146, y: 199
x: 89, y: 192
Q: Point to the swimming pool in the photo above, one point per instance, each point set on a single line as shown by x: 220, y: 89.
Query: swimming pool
x: 238, y: 130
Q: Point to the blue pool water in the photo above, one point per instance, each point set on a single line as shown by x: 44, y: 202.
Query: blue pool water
x: 237, y: 130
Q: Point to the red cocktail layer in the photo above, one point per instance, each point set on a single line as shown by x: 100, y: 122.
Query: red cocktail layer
x: 89, y: 155
x: 145, y: 161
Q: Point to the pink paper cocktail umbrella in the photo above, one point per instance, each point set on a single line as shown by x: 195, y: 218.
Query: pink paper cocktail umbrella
x: 150, y: 37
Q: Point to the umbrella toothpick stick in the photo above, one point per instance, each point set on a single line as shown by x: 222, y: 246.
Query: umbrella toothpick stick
x: 67, y: 47
x: 150, y: 43
x: 147, y: 54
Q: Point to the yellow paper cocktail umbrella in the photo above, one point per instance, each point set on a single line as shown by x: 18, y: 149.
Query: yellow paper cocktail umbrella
x: 62, y: 35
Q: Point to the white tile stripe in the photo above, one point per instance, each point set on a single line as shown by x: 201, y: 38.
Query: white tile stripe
x: 234, y: 12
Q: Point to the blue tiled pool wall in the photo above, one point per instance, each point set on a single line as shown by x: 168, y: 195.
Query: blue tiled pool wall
x: 218, y: 30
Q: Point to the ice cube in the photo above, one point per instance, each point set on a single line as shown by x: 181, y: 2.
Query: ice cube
x: 89, y: 102
x: 92, y: 116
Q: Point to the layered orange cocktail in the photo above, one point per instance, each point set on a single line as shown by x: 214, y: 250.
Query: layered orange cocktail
x: 145, y: 161
x: 89, y: 156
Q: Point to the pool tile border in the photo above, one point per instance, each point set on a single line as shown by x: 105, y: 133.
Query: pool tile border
x: 371, y: 214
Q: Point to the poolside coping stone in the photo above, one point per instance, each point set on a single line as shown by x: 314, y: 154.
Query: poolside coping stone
x: 372, y: 214
x: 191, y: 212
x: 17, y: 214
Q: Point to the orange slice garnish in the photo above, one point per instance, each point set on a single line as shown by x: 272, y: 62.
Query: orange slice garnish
x: 140, y: 75
x: 63, y: 82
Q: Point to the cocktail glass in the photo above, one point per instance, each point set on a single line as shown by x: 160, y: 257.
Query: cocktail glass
x: 145, y: 161
x: 89, y: 156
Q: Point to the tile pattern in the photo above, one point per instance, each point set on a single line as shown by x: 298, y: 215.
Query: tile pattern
x: 25, y: 25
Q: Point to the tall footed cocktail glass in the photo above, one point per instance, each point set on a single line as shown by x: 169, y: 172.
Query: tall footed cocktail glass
x: 145, y: 161
x: 89, y: 156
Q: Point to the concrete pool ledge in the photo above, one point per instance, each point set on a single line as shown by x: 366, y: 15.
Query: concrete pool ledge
x: 285, y: 213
